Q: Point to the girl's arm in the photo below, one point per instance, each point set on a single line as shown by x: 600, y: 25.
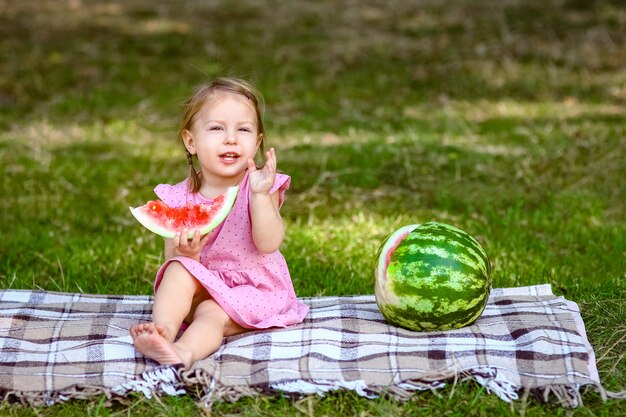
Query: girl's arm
x: 268, y: 230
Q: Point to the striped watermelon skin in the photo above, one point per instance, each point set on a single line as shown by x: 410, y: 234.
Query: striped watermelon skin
x: 432, y: 277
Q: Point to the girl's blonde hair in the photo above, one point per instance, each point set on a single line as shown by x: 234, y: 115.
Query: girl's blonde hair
x: 194, y: 103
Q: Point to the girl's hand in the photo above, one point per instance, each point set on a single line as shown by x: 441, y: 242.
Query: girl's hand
x: 190, y: 248
x: 262, y: 180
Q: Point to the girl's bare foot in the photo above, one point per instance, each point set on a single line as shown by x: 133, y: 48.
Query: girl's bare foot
x: 150, y: 339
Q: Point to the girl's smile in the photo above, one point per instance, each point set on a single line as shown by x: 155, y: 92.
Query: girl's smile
x: 229, y: 157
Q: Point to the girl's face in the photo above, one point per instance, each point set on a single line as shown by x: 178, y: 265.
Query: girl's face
x: 224, y: 136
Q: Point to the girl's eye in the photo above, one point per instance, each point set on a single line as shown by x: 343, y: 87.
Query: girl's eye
x: 244, y: 129
x: 215, y: 128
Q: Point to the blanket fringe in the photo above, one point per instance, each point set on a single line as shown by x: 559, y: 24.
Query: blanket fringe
x: 567, y: 395
x: 45, y: 398
x: 173, y: 380
x: 616, y: 395
x: 163, y: 379
x: 151, y: 382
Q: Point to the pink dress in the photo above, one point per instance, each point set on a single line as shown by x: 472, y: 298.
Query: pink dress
x: 253, y: 288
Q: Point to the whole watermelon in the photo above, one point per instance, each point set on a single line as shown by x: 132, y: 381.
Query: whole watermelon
x: 431, y: 277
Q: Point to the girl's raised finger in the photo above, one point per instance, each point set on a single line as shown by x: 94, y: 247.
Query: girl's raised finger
x: 271, y: 159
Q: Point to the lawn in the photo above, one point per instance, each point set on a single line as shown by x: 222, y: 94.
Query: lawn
x: 504, y: 118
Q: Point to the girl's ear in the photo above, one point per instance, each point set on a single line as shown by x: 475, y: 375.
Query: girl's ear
x: 188, y: 141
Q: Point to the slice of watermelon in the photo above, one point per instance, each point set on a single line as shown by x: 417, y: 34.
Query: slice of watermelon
x: 166, y: 221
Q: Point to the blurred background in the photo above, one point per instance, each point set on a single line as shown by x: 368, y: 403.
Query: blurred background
x: 505, y: 118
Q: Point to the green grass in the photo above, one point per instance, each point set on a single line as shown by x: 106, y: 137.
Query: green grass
x: 503, y: 118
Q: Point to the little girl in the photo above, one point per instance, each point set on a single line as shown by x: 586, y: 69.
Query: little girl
x: 234, y: 278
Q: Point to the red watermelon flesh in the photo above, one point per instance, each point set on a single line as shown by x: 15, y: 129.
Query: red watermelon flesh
x: 166, y: 221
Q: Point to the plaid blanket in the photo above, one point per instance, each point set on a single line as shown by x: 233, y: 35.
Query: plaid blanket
x: 56, y: 346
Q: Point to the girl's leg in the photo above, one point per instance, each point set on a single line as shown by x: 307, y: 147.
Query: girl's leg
x: 175, y: 298
x: 173, y: 301
x: 204, y: 335
x: 181, y: 297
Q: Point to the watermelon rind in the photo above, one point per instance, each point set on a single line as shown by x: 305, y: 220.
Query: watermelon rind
x: 437, y: 278
x: 148, y: 222
x: 389, y: 245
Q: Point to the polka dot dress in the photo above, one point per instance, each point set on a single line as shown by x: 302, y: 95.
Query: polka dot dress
x: 255, y: 289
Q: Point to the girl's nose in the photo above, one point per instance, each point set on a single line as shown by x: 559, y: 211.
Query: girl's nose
x: 231, y: 137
